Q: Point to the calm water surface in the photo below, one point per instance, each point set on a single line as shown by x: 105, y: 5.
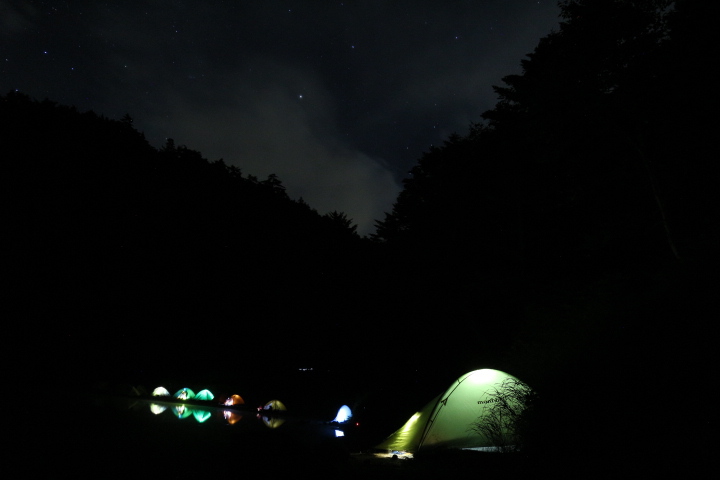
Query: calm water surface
x: 110, y: 435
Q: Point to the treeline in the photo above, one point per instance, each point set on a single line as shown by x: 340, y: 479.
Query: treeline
x: 121, y: 249
x: 575, y: 230
x: 595, y: 172
x: 594, y: 157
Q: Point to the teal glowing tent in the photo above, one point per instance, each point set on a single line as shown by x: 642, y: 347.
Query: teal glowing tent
x: 184, y: 394
x: 204, y: 395
x: 447, y: 420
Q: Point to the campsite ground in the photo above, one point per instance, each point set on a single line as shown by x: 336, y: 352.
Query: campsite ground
x: 94, y: 439
x: 92, y: 436
x: 91, y: 439
x: 450, y: 463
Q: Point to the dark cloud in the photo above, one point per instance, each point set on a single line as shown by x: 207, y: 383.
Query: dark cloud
x: 16, y: 18
x: 338, y: 99
x: 264, y: 127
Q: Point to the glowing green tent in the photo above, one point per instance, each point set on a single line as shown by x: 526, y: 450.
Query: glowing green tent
x: 447, y: 420
x: 273, y: 422
x: 204, y: 395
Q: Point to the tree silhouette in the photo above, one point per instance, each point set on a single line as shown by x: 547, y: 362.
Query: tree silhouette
x: 571, y: 172
x: 570, y: 221
x: 110, y: 228
x: 341, y: 222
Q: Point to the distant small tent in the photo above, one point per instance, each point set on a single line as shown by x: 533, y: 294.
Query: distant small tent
x: 204, y: 395
x: 343, y: 415
x: 235, y: 400
x: 274, y: 405
x: 160, y: 392
x: 184, y: 394
x: 447, y: 420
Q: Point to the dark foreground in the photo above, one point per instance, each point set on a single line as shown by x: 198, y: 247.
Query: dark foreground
x: 101, y: 436
x: 101, y: 439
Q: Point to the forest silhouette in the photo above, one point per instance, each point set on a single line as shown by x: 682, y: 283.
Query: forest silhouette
x: 570, y: 237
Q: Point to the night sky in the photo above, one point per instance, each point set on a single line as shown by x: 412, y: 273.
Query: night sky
x: 339, y: 99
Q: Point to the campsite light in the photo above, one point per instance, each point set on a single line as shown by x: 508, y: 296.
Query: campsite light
x: 409, y: 424
x: 486, y: 375
x: 161, y: 392
x: 184, y: 394
x: 204, y: 395
x: 235, y: 400
x: 274, y: 405
x: 445, y: 421
x: 343, y: 415
x: 339, y: 433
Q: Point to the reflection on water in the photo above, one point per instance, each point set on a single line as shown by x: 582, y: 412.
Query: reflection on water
x: 182, y: 411
x: 231, y: 417
x: 110, y: 434
x: 273, y: 422
x: 202, y: 415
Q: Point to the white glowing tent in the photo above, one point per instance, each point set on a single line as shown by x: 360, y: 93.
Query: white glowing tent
x: 161, y: 392
x: 447, y: 420
x: 344, y: 414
